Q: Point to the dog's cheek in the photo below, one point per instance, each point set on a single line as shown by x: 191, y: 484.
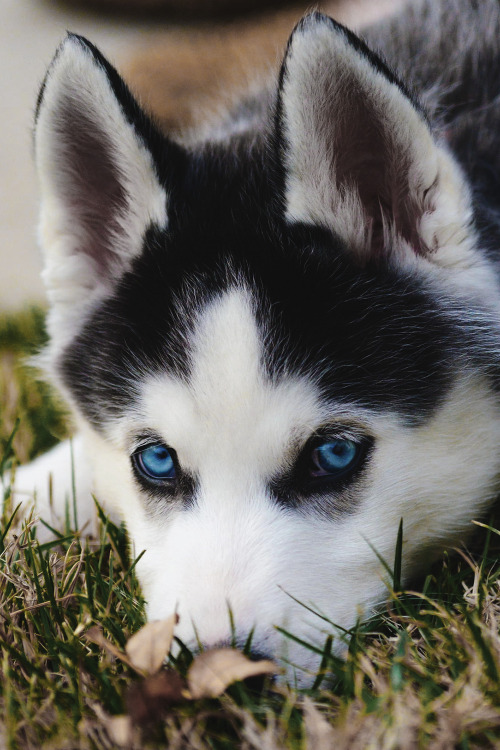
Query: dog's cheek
x: 427, y: 475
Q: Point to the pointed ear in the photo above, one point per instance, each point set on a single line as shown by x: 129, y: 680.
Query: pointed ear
x: 358, y: 153
x: 100, y: 188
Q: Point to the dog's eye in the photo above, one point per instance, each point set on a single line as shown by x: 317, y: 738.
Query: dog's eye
x: 334, y: 458
x: 155, y: 462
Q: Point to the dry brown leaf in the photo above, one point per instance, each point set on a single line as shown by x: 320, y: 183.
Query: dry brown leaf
x: 148, y: 648
x: 148, y: 700
x: 213, y: 671
x: 120, y: 730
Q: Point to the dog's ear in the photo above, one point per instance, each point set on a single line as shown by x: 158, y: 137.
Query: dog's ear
x: 97, y: 157
x: 358, y: 154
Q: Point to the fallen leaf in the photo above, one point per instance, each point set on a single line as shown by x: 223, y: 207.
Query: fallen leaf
x: 148, y: 648
x: 120, y: 730
x: 149, y: 699
x: 213, y: 671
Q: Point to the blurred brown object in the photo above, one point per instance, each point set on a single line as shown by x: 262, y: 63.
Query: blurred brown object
x: 192, y: 72
x: 201, y: 69
x: 205, y: 8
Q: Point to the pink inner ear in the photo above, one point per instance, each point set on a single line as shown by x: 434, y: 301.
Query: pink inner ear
x: 368, y: 157
x: 90, y: 185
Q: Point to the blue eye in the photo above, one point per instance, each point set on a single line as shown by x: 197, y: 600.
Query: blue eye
x: 155, y: 462
x: 334, y: 458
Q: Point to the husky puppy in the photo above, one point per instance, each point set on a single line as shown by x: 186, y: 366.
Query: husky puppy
x: 281, y: 338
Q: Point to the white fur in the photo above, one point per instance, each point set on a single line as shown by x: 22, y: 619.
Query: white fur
x: 52, y: 482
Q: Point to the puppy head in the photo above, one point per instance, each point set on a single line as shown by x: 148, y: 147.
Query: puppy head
x: 278, y: 343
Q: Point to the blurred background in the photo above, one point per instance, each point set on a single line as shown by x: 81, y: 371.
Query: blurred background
x: 181, y: 57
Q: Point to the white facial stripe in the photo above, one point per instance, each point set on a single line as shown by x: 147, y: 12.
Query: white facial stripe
x: 229, y: 414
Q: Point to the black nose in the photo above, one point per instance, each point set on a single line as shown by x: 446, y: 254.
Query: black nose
x: 259, y: 656
x: 241, y: 643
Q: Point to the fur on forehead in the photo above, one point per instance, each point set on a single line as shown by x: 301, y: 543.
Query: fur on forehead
x: 228, y: 402
x: 317, y: 313
x: 358, y: 152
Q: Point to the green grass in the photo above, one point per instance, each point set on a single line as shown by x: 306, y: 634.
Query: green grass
x: 42, y: 417
x: 424, y: 674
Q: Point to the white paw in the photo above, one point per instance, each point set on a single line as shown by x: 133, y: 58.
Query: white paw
x: 58, y: 485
